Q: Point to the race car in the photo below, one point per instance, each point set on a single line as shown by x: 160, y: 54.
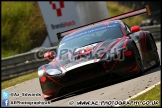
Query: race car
x: 96, y: 53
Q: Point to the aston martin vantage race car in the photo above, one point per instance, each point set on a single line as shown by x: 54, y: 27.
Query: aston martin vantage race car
x: 103, y: 51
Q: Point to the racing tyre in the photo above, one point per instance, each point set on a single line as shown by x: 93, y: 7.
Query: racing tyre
x: 155, y: 52
x: 138, y: 59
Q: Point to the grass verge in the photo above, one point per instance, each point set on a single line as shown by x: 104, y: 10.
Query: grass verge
x: 150, y: 98
x: 23, y: 27
x: 18, y: 80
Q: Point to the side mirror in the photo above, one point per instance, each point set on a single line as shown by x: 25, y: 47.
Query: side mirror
x: 135, y: 29
x: 48, y: 55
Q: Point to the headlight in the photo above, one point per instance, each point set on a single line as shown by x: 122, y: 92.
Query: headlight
x: 40, y: 73
x: 53, y: 71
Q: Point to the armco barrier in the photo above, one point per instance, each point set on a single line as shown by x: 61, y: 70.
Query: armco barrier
x: 22, y: 63
x: 155, y: 30
x: 27, y: 62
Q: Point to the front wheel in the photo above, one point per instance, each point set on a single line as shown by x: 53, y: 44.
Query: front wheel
x: 138, y: 59
x: 155, y: 52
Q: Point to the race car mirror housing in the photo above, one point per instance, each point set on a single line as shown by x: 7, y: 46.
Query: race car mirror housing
x: 49, y: 55
x: 135, y: 29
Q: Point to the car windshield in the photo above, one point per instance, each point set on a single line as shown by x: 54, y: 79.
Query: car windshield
x: 89, y: 35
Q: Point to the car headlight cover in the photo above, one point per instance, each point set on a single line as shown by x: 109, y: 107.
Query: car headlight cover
x: 40, y: 73
x: 53, y: 71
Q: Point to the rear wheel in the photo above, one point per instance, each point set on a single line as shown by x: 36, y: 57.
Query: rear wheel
x: 155, y: 52
x: 138, y: 59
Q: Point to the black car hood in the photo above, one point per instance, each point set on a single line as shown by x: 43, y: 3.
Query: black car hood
x: 65, y: 63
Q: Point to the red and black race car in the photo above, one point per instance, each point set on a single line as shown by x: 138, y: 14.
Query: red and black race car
x: 100, y: 52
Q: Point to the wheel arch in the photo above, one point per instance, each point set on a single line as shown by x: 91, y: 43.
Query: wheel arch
x: 136, y: 45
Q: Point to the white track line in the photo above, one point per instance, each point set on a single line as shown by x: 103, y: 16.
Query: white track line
x: 144, y: 91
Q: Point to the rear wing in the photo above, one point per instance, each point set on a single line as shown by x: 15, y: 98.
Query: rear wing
x: 146, y: 9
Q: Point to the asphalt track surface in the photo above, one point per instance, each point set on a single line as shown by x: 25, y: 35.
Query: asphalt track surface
x: 120, y: 90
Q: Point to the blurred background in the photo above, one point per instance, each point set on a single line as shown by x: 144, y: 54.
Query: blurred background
x: 23, y: 27
x: 155, y: 7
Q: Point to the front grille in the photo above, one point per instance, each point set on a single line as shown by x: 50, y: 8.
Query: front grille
x: 83, y: 71
x: 87, y: 83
